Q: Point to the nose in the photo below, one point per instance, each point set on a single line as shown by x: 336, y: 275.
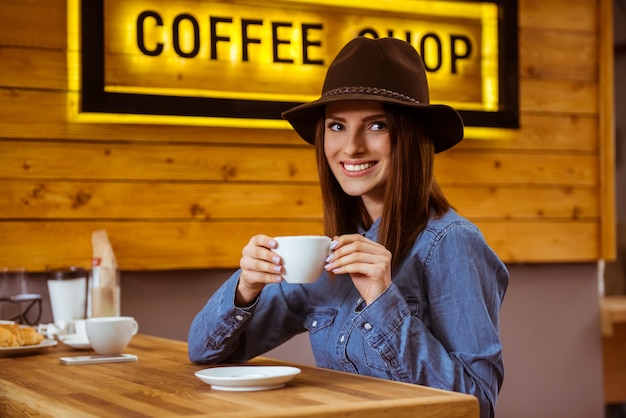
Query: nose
x: 355, y: 142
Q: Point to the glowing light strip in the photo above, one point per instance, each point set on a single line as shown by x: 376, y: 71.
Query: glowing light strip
x: 73, y: 58
x: 489, y: 61
x: 437, y: 8
x: 166, y: 91
x: 127, y: 118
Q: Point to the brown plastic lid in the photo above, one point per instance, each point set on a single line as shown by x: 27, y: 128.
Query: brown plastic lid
x: 67, y: 273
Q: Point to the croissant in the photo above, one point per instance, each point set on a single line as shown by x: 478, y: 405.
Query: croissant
x: 30, y: 336
x: 14, y: 335
x: 10, y: 335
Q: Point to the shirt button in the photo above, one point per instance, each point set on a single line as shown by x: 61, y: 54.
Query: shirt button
x: 342, y: 338
x: 367, y: 326
x: 314, y: 324
x: 239, y: 318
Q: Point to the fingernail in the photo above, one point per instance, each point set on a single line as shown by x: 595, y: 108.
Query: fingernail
x: 277, y: 269
x: 329, y: 258
x: 278, y: 278
x: 328, y: 266
x: 276, y: 259
x: 333, y: 245
x: 272, y: 243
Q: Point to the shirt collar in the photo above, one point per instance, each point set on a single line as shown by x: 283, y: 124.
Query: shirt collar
x: 371, y: 233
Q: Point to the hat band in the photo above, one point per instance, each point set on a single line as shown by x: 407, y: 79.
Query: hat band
x: 370, y: 90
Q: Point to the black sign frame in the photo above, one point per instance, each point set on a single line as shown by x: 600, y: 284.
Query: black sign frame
x: 94, y: 98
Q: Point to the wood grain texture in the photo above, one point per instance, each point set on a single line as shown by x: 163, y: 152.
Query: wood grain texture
x: 551, y: 54
x: 164, y: 162
x: 613, y: 310
x: 562, y: 15
x: 183, y: 244
x: 214, y: 201
x: 607, y: 160
x: 27, y: 23
x: 162, y: 383
x: 208, y: 201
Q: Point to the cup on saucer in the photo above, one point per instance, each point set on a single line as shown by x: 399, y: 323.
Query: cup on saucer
x: 75, y: 335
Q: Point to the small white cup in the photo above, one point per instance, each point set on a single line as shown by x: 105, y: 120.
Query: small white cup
x: 76, y: 329
x: 303, y: 257
x: 110, y: 334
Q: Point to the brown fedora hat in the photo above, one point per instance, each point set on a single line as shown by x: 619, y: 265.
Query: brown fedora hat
x: 385, y: 70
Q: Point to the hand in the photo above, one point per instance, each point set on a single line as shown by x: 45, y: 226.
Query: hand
x: 259, y: 266
x: 367, y: 262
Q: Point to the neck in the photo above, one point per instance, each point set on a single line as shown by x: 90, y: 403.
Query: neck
x: 374, y: 208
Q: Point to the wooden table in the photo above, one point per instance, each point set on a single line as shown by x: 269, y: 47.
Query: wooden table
x: 613, y: 316
x: 162, y: 383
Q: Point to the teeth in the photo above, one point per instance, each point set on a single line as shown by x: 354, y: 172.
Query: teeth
x: 357, y: 167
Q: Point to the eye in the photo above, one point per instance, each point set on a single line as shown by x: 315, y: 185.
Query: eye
x: 334, y: 126
x: 378, y: 126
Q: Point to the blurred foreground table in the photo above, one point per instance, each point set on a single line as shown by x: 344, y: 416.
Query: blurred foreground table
x: 162, y: 383
x: 613, y: 316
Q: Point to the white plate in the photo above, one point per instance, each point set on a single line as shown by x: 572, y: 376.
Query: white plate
x: 76, y: 342
x: 26, y: 349
x: 247, y: 378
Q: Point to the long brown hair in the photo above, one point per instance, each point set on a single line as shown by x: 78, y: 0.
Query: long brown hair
x: 411, y: 193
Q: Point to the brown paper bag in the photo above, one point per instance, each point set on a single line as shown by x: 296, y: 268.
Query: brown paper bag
x: 104, y: 285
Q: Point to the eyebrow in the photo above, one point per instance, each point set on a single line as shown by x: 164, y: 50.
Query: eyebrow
x: 366, y: 119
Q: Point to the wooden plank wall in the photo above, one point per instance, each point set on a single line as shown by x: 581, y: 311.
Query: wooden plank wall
x: 178, y: 197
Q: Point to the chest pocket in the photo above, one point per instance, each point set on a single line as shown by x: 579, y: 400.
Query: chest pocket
x: 319, y: 318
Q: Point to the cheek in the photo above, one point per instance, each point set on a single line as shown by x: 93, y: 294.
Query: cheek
x: 384, y: 149
x: 329, y: 149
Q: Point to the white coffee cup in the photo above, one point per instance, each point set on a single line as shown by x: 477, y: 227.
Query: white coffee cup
x: 110, y: 334
x: 303, y: 257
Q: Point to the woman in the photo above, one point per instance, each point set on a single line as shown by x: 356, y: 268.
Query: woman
x: 412, y: 291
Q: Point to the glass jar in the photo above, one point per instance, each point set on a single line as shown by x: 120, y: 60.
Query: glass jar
x: 104, y: 290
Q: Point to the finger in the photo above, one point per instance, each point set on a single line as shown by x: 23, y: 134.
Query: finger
x: 263, y: 241
x: 367, y: 247
x: 261, y: 266
x: 262, y: 253
x: 253, y: 277
x: 342, y: 240
x: 260, y: 241
x: 358, y: 259
x: 260, y: 247
x: 255, y: 270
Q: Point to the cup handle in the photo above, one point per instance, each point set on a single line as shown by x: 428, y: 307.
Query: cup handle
x: 135, y: 327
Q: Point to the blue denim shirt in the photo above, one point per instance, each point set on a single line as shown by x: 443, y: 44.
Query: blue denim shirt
x: 436, y: 325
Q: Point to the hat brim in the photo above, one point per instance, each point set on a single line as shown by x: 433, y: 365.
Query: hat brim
x: 444, y: 123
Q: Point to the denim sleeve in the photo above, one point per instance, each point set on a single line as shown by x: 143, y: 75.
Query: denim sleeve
x: 460, y: 349
x: 218, y: 321
x: 222, y: 332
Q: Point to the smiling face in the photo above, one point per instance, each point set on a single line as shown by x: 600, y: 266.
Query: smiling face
x: 357, y: 146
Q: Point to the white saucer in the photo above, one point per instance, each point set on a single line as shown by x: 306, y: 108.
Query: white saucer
x: 247, y: 378
x: 26, y: 349
x: 76, y: 342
